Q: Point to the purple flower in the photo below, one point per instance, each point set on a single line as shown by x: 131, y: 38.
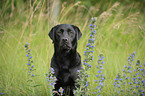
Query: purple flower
x: 102, y: 75
x: 122, y: 90
x: 127, y: 78
x: 129, y: 83
x: 96, y: 75
x: 116, y: 79
x: 118, y: 85
x: 121, y: 79
x: 52, y: 69
x: 88, y: 44
x: 143, y: 81
x: 87, y: 85
x: 129, y: 71
x: 99, y: 71
x: 139, y: 77
x: 114, y: 83
x: 98, y: 87
x: 136, y: 86
x: 134, y: 78
x: 129, y: 67
x: 78, y: 70
x: 125, y: 66
x: 133, y: 92
x: 101, y: 84
x: 95, y: 80
x: 140, y: 66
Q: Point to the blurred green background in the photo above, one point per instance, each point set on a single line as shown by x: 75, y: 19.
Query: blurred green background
x: 121, y: 31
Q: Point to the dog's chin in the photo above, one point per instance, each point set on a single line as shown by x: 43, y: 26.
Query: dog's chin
x: 66, y: 48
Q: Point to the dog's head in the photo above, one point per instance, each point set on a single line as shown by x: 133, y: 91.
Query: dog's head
x: 65, y: 36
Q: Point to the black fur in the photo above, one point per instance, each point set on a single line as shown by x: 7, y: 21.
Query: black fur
x: 66, y: 60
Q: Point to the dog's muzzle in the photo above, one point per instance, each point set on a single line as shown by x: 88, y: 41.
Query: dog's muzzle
x: 65, y: 45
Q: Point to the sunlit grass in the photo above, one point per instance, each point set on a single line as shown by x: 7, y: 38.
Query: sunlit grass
x: 119, y: 34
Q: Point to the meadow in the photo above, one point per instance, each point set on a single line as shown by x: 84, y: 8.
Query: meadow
x: 120, y: 31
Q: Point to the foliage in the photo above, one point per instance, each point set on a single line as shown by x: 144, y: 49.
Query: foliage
x: 120, y: 31
x: 132, y: 80
x: 30, y: 71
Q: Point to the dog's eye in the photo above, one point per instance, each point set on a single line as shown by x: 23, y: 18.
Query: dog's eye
x: 59, y: 32
x: 70, y: 32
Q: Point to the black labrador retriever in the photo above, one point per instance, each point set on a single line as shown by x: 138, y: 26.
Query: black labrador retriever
x: 66, y: 60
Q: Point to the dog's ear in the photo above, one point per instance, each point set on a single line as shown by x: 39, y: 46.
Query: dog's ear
x: 79, y: 34
x: 51, y: 33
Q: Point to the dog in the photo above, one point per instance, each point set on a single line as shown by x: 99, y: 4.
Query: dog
x: 66, y: 60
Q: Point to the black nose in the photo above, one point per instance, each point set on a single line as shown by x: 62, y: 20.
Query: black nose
x: 65, y: 39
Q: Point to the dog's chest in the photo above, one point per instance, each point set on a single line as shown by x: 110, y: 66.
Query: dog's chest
x: 64, y: 63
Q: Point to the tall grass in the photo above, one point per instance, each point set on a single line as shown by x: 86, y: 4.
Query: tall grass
x: 120, y: 32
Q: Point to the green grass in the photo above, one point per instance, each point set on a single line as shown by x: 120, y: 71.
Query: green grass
x: 120, y: 32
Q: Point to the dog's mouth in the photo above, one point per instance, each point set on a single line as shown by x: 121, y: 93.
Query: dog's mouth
x: 65, y: 47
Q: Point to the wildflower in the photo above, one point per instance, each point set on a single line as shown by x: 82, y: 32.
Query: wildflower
x: 129, y: 71
x: 97, y: 75
x: 87, y: 85
x: 133, y: 92
x: 2, y: 93
x: 98, y: 87
x: 139, y: 77
x: 78, y: 70
x: 134, y: 78
x: 129, y: 67
x: 99, y: 71
x: 101, y: 84
x: 118, y: 85
x: 125, y: 66
x: 32, y: 74
x: 122, y: 90
x: 121, y: 79
x: 127, y: 78
x: 95, y: 80
x: 116, y: 79
x: 102, y: 75
x: 114, y: 83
